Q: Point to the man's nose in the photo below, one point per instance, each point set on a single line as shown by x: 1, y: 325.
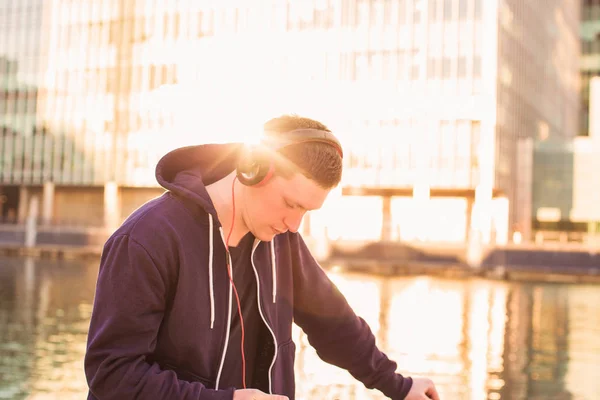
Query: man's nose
x: 292, y: 222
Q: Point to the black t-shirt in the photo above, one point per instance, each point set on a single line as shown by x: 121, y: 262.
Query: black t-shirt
x: 254, y: 328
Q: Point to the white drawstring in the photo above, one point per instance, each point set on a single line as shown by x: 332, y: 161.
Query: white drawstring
x: 229, y: 308
x: 274, y: 268
x: 210, y: 270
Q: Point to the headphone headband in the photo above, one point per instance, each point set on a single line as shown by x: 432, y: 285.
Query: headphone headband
x: 255, y: 167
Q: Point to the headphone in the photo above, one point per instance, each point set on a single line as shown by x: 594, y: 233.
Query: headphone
x: 255, y: 167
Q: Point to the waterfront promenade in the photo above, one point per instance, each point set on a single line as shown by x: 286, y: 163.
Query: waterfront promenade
x: 548, y: 262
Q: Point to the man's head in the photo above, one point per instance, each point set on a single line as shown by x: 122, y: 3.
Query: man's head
x: 304, y: 174
x: 318, y: 161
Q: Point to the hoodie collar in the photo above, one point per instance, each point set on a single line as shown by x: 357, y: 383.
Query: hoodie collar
x: 187, y: 171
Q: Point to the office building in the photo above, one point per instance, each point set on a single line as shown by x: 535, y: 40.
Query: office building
x: 438, y: 100
x: 566, y: 199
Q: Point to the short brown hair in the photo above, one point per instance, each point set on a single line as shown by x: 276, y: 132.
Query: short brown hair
x: 319, y: 162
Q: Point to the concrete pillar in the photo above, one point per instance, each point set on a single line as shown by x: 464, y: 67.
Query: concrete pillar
x: 306, y: 225
x: 386, y: 223
x: 48, y: 206
x: 23, y: 204
x: 594, y: 125
x: 474, y: 250
x: 468, y: 218
x: 319, y: 244
x: 421, y: 197
x: 523, y: 197
x: 483, y: 204
x: 479, y: 234
x: 112, y: 206
x: 539, y: 238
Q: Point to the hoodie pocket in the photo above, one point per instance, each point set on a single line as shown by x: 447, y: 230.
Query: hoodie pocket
x: 185, y: 375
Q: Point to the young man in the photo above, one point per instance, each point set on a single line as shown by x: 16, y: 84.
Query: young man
x: 214, y: 266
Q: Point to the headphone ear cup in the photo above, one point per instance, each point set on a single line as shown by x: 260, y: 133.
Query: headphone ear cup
x: 252, y: 169
x: 266, y: 172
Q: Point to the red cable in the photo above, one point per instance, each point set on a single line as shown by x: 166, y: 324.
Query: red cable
x: 229, y: 268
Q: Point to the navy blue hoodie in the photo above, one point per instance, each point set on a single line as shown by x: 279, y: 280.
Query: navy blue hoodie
x: 162, y: 308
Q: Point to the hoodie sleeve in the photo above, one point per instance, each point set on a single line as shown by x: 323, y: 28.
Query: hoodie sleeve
x: 129, y: 303
x: 338, y: 335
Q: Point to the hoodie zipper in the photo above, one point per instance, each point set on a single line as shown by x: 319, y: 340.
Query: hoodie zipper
x: 256, y: 243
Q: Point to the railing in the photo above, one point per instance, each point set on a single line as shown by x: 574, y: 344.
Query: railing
x: 546, y: 237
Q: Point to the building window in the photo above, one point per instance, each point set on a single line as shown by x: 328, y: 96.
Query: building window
x: 415, y: 65
x: 401, y: 56
x: 595, y: 46
x: 477, y: 8
x: 462, y: 67
x: 417, y: 8
x: 446, y: 68
x: 586, y: 46
x: 433, y: 10
x: 362, y: 13
x: 401, y: 12
x: 594, y: 11
x: 448, y: 10
x: 462, y: 9
x: 477, y: 67
x: 361, y: 66
x: 432, y: 68
x: 387, y: 12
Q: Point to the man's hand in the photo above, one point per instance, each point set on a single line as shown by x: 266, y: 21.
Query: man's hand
x: 255, y: 394
x: 422, y: 389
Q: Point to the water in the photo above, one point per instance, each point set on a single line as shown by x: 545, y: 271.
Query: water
x: 477, y: 339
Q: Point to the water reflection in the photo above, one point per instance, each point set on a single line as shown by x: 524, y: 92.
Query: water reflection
x: 477, y: 339
x: 44, y: 313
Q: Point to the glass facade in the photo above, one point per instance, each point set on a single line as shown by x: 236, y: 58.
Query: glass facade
x: 433, y: 92
x: 564, y: 196
x: 590, y: 56
x: 22, y: 136
x: 424, y: 127
x: 538, y: 91
x: 88, y: 84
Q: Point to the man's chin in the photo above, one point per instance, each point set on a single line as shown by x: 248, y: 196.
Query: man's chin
x: 265, y: 235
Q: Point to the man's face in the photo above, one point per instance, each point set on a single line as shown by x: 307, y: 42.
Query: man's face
x: 280, y: 204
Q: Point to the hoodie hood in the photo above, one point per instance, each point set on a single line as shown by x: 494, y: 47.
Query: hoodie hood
x: 187, y: 171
